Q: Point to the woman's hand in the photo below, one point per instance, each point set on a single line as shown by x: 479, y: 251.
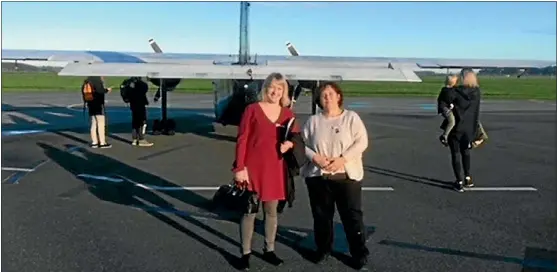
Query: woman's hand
x: 242, y: 178
x: 285, y: 146
x: 335, y: 164
x: 320, y: 161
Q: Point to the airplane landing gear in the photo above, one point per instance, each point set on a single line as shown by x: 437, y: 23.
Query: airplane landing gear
x: 314, y: 98
x: 165, y: 126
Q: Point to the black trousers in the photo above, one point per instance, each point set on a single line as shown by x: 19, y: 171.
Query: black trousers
x: 460, y: 149
x: 347, y: 195
x: 139, y: 117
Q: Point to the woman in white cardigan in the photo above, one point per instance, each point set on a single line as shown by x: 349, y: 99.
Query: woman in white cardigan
x: 335, y: 141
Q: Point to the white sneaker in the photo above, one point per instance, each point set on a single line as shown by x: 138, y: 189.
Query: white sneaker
x: 144, y: 143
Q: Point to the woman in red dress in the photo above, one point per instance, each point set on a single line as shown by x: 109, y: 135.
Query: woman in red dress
x: 259, y: 163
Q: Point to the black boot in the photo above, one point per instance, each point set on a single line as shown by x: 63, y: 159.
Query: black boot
x: 361, y: 259
x: 271, y: 257
x: 459, y: 186
x: 320, y: 256
x: 243, y: 263
x: 360, y: 262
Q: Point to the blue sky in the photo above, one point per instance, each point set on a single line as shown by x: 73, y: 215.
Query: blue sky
x: 517, y: 30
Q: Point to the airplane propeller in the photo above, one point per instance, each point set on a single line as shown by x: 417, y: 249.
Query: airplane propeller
x: 292, y: 49
x: 164, y: 126
x: 300, y: 84
x: 169, y: 84
x: 155, y: 46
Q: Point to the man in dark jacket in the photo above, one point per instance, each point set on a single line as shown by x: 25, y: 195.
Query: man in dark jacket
x: 96, y: 108
x: 137, y: 94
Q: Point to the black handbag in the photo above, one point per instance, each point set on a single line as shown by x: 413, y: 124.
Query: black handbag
x: 237, y: 199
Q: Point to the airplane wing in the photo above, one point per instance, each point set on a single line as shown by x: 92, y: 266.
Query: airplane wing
x: 184, y: 65
x: 223, y: 71
x: 135, y: 57
x: 210, y: 66
x: 434, y: 63
x: 110, y: 56
x: 484, y: 64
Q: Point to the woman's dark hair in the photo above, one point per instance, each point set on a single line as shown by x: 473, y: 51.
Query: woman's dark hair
x: 337, y: 90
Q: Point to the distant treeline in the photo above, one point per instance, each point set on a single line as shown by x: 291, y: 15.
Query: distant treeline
x: 26, y: 68
x: 547, y: 71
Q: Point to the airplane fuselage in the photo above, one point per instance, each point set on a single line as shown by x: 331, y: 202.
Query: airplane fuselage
x: 232, y: 96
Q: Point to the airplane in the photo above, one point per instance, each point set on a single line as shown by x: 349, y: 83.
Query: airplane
x: 238, y: 79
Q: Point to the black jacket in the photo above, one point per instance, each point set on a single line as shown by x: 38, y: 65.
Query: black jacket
x: 467, y: 112
x: 295, y: 158
x: 444, y: 99
x: 138, y: 94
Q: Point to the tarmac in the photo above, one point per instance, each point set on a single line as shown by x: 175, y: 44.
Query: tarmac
x: 66, y: 207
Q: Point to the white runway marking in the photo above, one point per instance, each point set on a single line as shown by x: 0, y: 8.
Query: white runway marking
x: 501, y: 189
x: 148, y: 187
x: 59, y: 114
x: 79, y: 106
x: 378, y: 189
x: 100, y: 178
x: 8, y: 118
x: 71, y: 107
x: 17, y: 169
x: 17, y: 176
x: 202, y: 188
x: 189, y: 188
x: 175, y: 188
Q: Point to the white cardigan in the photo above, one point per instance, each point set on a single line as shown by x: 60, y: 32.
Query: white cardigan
x: 344, y: 135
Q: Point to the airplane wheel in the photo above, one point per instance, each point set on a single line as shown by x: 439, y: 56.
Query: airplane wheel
x: 169, y: 127
x: 157, y: 127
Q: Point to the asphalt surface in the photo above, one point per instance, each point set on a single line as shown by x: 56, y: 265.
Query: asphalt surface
x: 56, y: 220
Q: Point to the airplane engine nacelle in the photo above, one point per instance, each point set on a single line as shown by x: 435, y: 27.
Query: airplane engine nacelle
x: 311, y: 85
x: 170, y: 83
x: 295, y: 87
x: 251, y: 91
x: 243, y: 93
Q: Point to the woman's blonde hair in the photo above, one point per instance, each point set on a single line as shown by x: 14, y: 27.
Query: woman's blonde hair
x: 469, y: 79
x: 267, y: 83
x: 451, y: 80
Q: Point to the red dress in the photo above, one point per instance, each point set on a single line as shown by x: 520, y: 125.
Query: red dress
x: 258, y: 149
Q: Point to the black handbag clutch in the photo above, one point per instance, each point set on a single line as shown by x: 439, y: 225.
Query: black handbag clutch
x: 237, y: 199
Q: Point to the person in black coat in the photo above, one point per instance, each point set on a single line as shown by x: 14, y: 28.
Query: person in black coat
x: 466, y: 99
x: 445, y: 106
x: 138, y: 105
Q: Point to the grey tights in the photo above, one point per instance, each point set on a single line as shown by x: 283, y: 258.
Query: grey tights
x: 247, y: 226
x: 448, y: 114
